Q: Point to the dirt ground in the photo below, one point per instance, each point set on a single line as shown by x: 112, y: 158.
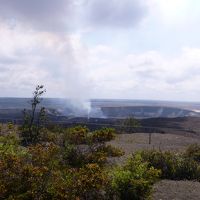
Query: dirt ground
x: 164, y: 142
x: 165, y: 189
x: 176, y: 190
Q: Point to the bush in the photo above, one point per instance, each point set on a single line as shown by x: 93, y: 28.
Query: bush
x: 26, y: 173
x: 91, y: 181
x: 9, y: 144
x: 167, y: 162
x: 72, y: 156
x: 37, y: 172
x: 102, y: 135
x: 193, y: 152
x: 111, y: 151
x: 45, y: 155
x: 187, y: 169
x: 10, y: 126
x: 173, y: 166
x: 81, y: 147
x: 76, y: 135
x: 134, y: 180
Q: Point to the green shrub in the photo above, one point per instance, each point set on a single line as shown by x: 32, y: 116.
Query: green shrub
x: 134, y: 180
x: 187, y: 169
x: 193, y: 152
x: 45, y: 155
x: 82, y: 147
x: 90, y: 182
x: 10, y: 126
x: 111, y: 151
x: 10, y: 144
x: 167, y: 162
x: 102, y: 135
x: 76, y: 135
x: 72, y: 157
x: 173, y: 166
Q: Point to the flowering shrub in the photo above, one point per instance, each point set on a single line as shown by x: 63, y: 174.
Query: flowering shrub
x: 102, y: 135
x: 73, y: 165
x: 76, y: 135
x: 111, y: 151
x: 51, y: 170
x: 91, y: 182
x: 83, y: 147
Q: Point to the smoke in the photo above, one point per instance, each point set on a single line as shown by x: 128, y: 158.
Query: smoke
x: 75, y: 81
x: 80, y: 108
x: 41, y: 42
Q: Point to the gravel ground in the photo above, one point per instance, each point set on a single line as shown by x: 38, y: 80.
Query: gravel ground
x: 138, y: 141
x: 176, y: 190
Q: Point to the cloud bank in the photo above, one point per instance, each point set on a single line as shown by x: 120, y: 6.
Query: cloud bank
x: 61, y: 15
x: 149, y: 75
x: 98, y: 49
x: 116, y: 13
x: 48, y: 15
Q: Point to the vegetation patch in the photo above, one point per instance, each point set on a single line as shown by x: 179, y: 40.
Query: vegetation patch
x: 39, y: 162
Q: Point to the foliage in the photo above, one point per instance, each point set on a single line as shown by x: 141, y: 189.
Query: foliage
x: 102, y: 135
x: 193, y: 152
x: 165, y: 161
x: 10, y: 125
x: 76, y: 135
x: 9, y: 144
x: 134, y: 180
x: 67, y: 165
x: 32, y: 125
x: 50, y: 163
x: 173, y: 166
x: 129, y: 123
x: 73, y: 165
x: 39, y: 171
x: 91, y: 182
x: 55, y: 163
x: 111, y: 151
x: 83, y: 147
x: 187, y: 169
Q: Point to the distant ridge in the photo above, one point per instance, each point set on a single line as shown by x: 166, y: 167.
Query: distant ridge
x: 103, y: 108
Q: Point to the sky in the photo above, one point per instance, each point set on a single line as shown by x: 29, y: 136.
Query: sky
x: 81, y: 49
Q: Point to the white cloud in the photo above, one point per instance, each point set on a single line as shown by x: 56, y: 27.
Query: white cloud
x: 149, y: 75
x: 36, y: 47
x: 173, y: 11
x: 29, y: 58
x: 68, y: 68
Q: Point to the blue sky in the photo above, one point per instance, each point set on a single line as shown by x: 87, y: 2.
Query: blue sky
x: 130, y: 49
